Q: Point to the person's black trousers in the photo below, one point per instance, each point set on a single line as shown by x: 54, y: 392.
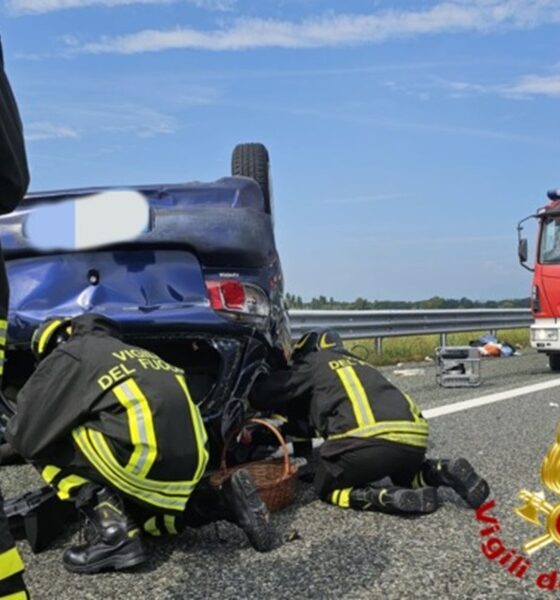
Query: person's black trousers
x: 362, y: 466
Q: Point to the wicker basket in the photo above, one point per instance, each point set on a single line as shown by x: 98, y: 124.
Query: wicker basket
x: 275, y: 480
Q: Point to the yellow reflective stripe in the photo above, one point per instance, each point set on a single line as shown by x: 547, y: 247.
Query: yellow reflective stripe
x: 412, y: 440
x: 141, y: 427
x: 361, y: 394
x: 151, y: 527
x: 132, y: 425
x: 134, y: 486
x: 344, y: 500
x: 201, y: 436
x: 414, y: 410
x: 64, y: 486
x: 335, y: 496
x: 301, y: 342
x: 386, y: 427
x: 357, y: 395
x: 323, y: 344
x: 68, y: 483
x: 418, y: 481
x: 101, y: 447
x: 169, y: 522
x: 49, y: 473
x: 10, y: 563
x: 16, y: 596
x: 43, y: 340
x: 116, y: 476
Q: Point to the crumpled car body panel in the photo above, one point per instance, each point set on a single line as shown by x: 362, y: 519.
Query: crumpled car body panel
x: 155, y: 284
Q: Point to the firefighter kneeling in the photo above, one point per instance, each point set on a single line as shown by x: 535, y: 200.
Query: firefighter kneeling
x: 372, y: 431
x: 125, y: 441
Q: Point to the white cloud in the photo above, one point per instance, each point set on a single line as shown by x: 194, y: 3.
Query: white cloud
x: 534, y: 85
x: 338, y: 29
x: 463, y: 87
x: 127, y: 118
x: 525, y: 87
x: 45, y: 6
x: 47, y: 131
x: 94, y: 119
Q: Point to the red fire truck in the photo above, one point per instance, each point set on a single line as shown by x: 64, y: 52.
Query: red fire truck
x: 545, y: 293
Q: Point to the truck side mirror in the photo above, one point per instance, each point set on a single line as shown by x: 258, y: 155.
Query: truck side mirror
x: 522, y: 251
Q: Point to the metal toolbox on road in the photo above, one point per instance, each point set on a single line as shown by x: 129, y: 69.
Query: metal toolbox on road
x: 457, y: 366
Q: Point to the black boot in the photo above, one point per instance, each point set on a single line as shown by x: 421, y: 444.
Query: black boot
x: 248, y: 511
x: 459, y: 475
x: 113, y: 540
x: 394, y: 500
x: 236, y: 501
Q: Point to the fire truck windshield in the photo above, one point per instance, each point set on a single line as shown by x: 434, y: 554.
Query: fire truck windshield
x: 549, y: 251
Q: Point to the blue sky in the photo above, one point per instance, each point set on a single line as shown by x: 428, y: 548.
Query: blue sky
x: 407, y: 138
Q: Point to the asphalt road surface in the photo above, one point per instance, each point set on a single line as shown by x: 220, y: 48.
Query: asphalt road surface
x: 347, y: 554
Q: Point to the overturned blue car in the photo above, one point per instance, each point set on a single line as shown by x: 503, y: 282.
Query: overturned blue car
x: 190, y: 271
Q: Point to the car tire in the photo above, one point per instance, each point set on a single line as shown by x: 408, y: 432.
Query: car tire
x: 554, y: 361
x: 251, y: 160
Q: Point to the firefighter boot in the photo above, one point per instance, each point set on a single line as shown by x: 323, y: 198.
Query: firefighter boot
x: 112, y: 540
x: 459, y: 475
x: 395, y: 500
x: 248, y: 511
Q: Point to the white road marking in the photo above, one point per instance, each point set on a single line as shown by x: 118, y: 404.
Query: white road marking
x: 439, y: 411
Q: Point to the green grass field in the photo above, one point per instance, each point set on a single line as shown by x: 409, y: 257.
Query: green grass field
x: 417, y: 348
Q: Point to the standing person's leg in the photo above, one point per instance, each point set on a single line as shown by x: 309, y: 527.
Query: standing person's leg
x: 11, y: 566
x: 347, y: 480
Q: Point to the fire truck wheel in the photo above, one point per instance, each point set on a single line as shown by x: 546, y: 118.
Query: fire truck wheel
x: 554, y: 361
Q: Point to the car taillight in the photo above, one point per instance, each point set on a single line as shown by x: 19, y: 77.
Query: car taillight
x: 235, y: 297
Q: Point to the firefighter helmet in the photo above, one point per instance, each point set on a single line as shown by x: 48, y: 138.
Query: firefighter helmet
x: 317, y: 340
x: 49, y: 334
x: 330, y: 340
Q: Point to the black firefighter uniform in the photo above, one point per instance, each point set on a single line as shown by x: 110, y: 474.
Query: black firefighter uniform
x: 14, y: 179
x: 99, y: 409
x: 352, y: 406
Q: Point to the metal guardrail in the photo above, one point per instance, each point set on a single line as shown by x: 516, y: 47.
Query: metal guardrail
x: 379, y: 324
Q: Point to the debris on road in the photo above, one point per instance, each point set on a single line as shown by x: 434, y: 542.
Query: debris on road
x: 409, y: 372
x: 488, y: 345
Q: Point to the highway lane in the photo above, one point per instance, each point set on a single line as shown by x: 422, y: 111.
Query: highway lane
x: 360, y: 555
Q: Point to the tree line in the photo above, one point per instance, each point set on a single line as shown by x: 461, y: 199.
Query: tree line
x: 322, y: 302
